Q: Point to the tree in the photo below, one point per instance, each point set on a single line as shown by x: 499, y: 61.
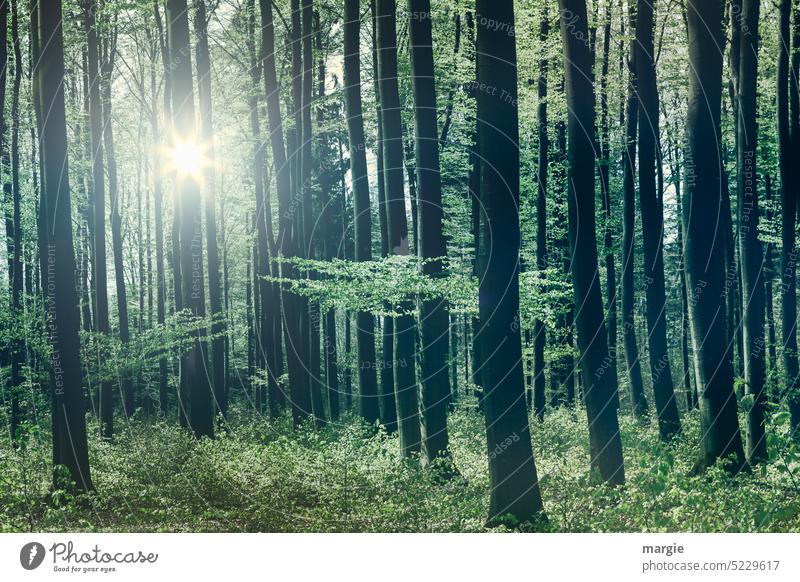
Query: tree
x: 513, y: 479
x: 703, y: 254
x: 203, y: 59
x: 652, y: 210
x: 599, y: 388
x: 70, y: 444
x: 194, y: 362
x: 630, y: 346
x: 287, y: 239
x: 788, y: 140
x: 433, y: 316
x: 99, y: 275
x: 405, y: 385
x: 365, y: 323
x: 750, y: 250
x: 539, y: 337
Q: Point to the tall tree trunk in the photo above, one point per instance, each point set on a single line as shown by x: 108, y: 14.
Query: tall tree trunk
x: 194, y: 363
x: 750, y: 250
x: 365, y: 322
x: 106, y: 72
x: 512, y: 472
x: 203, y: 65
x: 158, y: 209
x: 310, y: 244
x: 70, y: 446
x: 17, y: 344
x: 599, y: 389
x: 404, y: 326
x: 652, y: 209
x: 98, y: 202
x: 605, y: 193
x: 632, y: 359
x: 789, y: 200
x: 433, y: 317
x: 703, y: 254
x: 287, y: 235
x: 539, y: 338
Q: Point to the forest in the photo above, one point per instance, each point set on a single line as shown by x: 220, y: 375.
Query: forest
x: 376, y: 266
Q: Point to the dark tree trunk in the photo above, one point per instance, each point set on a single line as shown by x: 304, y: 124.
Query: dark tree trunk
x: 194, y: 363
x: 365, y: 322
x: 433, y: 317
x: 70, y: 446
x: 632, y: 359
x: 98, y: 202
x: 219, y: 388
x: 750, y: 250
x: 703, y: 254
x: 310, y: 246
x: 107, y: 70
x: 17, y: 343
x: 404, y: 326
x: 605, y: 192
x: 599, y: 388
x: 388, y: 405
x: 512, y: 472
x: 652, y: 209
x: 158, y: 209
x: 787, y: 141
x: 287, y: 237
x: 539, y: 338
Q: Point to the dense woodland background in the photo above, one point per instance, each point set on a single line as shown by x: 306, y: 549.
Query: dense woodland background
x: 342, y: 265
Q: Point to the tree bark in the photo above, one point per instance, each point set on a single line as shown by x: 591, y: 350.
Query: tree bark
x: 433, y: 316
x: 194, y: 363
x: 98, y: 202
x: 599, y: 388
x: 218, y: 385
x: 404, y: 326
x: 652, y: 210
x: 70, y: 446
x: 512, y: 472
x: 630, y: 345
x: 365, y: 322
x: 703, y: 254
x: 750, y: 249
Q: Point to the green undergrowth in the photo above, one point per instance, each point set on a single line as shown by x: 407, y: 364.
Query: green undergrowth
x: 264, y: 476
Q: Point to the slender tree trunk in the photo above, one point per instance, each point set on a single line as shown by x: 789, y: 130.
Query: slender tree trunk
x: 789, y: 199
x: 310, y: 244
x: 433, y: 317
x: 404, y: 326
x: 158, y: 209
x: 106, y: 72
x: 605, y: 192
x: 512, y: 472
x: 703, y: 254
x: 652, y: 210
x: 70, y: 446
x: 599, y: 388
x: 194, y: 363
x: 750, y: 250
x: 99, y: 273
x: 632, y: 359
x: 365, y: 322
x: 539, y: 338
x: 17, y: 344
x: 220, y: 390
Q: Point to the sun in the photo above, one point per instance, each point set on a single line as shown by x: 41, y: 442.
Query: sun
x: 186, y: 159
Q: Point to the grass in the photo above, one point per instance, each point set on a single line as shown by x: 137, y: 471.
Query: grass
x: 264, y: 476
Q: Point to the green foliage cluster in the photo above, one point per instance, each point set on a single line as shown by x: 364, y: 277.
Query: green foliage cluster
x: 264, y: 476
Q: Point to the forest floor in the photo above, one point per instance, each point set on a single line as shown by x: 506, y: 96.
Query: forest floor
x: 263, y: 476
